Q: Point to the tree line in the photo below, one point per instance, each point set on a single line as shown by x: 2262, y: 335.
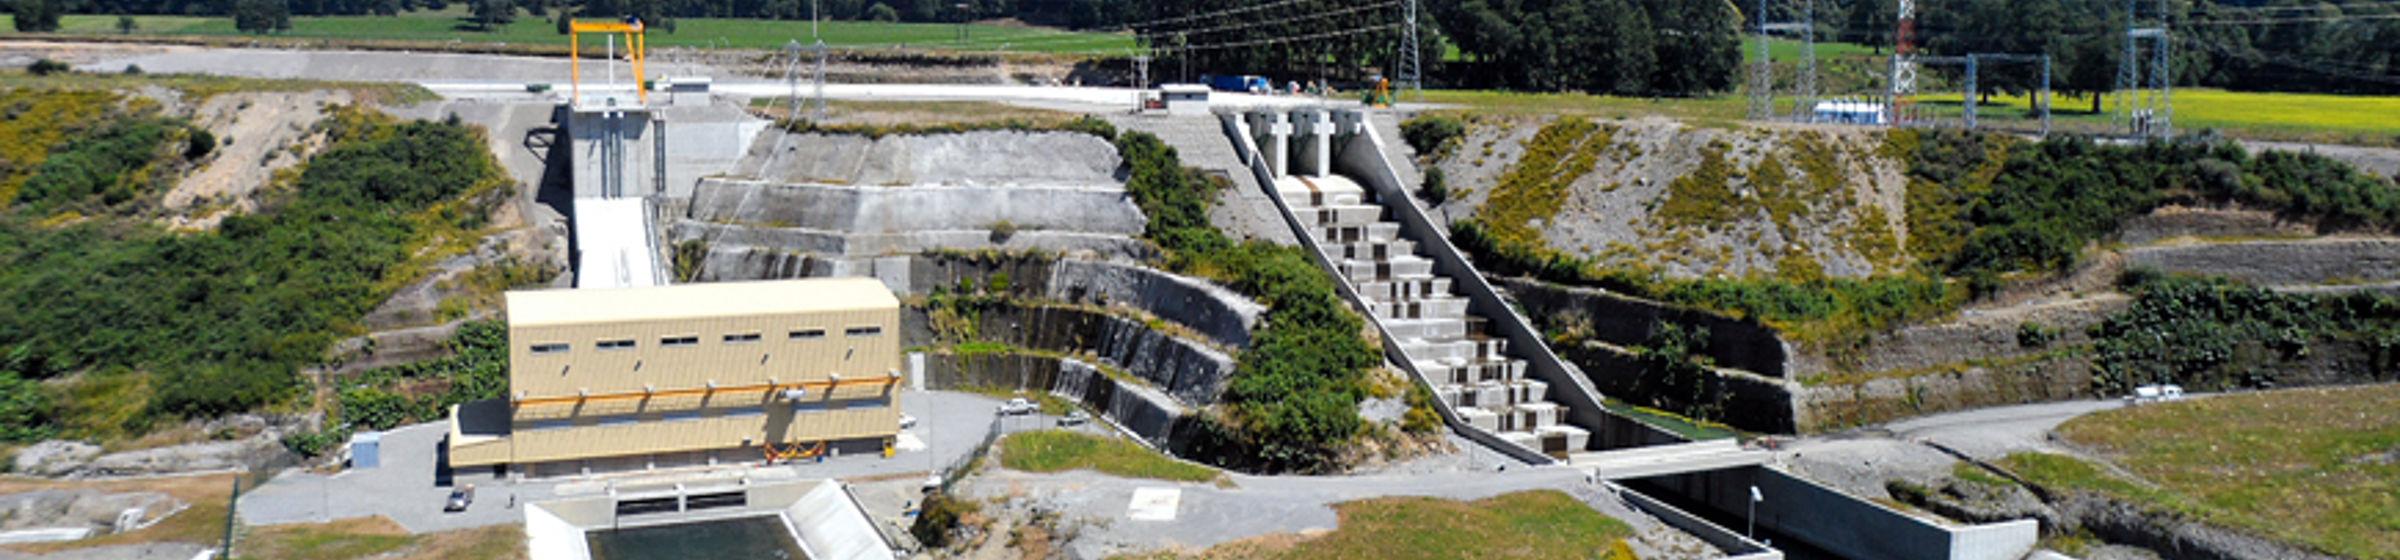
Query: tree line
x: 2343, y: 46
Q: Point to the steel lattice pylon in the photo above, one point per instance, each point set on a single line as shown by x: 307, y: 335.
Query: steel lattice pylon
x: 1904, y: 63
x: 2145, y: 89
x: 1762, y: 75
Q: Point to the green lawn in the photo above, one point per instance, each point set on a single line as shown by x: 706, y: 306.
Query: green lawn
x: 1788, y: 50
x: 1059, y: 451
x: 1529, y: 524
x: 2309, y: 466
x: 450, y: 25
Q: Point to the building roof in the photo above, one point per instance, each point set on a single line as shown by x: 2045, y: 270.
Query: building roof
x: 691, y: 301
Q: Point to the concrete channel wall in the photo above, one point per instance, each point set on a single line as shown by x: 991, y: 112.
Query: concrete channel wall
x: 1735, y: 546
x: 1148, y: 414
x: 1628, y: 321
x: 1361, y: 158
x: 1841, y: 524
x: 1102, y: 208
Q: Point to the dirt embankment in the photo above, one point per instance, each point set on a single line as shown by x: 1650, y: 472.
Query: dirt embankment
x: 258, y: 134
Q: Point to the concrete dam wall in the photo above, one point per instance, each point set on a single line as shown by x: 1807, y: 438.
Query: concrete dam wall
x: 1149, y: 414
x: 980, y: 158
x: 854, y: 209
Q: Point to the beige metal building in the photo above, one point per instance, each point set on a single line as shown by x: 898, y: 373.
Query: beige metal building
x: 619, y: 379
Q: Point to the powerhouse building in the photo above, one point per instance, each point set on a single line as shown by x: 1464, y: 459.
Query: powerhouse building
x: 695, y: 374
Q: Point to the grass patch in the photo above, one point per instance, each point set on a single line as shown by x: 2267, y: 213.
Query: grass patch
x: 1527, y: 524
x: 2312, y: 466
x: 348, y: 538
x: 1058, y: 451
x: 200, y: 87
x: 452, y: 25
x: 379, y: 537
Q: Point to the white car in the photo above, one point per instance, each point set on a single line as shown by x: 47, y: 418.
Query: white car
x: 1076, y: 418
x: 1018, y: 406
x: 907, y: 421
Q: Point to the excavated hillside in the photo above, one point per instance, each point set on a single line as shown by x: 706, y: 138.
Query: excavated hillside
x: 1683, y: 200
x: 1802, y: 203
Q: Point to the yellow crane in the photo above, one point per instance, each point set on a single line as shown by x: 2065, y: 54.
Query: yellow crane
x: 634, y: 47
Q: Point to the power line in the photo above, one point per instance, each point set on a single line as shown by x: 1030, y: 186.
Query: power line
x: 1290, y: 39
x: 1219, y: 13
x: 1286, y: 20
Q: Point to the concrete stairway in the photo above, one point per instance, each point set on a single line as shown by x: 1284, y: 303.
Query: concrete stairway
x: 1468, y: 369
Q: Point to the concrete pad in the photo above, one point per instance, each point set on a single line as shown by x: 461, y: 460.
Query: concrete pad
x: 1154, y: 504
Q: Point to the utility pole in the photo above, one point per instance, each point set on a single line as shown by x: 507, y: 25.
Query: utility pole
x: 1806, y: 107
x: 1762, y: 74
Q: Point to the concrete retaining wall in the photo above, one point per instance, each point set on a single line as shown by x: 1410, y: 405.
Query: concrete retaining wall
x: 967, y: 158
x: 1733, y: 544
x: 1748, y: 401
x: 1100, y: 208
x: 2309, y: 261
x: 1202, y: 306
x: 744, y: 243
x: 1836, y: 406
x: 1147, y: 413
x: 1628, y: 321
x: 1850, y: 527
x: 1191, y: 372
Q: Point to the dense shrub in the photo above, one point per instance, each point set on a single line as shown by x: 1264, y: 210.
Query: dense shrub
x: 1436, y: 189
x: 1982, y: 204
x: 2217, y: 334
x: 25, y: 410
x: 225, y: 319
x: 45, y: 67
x: 1434, y: 136
x: 104, y: 171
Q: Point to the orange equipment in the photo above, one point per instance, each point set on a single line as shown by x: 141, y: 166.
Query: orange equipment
x: 795, y: 451
x: 634, y: 47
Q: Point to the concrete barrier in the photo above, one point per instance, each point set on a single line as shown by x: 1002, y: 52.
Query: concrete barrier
x: 1735, y: 546
x: 1846, y: 526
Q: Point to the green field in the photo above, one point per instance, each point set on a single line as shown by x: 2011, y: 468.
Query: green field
x: 1527, y: 524
x: 1788, y: 51
x: 2309, y: 466
x: 451, y: 25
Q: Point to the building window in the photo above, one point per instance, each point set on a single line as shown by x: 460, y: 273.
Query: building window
x: 808, y: 334
x: 680, y: 415
x: 549, y: 424
x: 745, y: 411
x: 863, y: 331
x: 812, y: 406
x: 869, y: 403
x: 550, y: 348
x: 624, y: 344
x: 676, y: 341
x: 741, y: 338
x: 618, y: 420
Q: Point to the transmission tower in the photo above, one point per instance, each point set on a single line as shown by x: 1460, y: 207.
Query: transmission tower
x: 2145, y: 88
x: 1762, y: 73
x: 1416, y: 76
x: 1904, y: 62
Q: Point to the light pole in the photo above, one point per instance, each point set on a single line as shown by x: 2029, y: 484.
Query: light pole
x: 1751, y: 530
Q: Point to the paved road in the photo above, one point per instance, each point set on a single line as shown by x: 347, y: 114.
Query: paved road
x: 1861, y: 461
x: 407, y: 489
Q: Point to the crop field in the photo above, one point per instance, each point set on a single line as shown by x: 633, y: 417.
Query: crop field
x: 452, y: 25
x: 2311, y: 466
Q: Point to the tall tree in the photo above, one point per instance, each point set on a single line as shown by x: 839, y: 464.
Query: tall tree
x: 37, y: 16
x: 490, y: 14
x: 262, y: 16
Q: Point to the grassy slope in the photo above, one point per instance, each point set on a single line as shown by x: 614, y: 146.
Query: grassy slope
x: 449, y: 25
x: 379, y: 537
x: 1057, y: 451
x: 1529, y: 524
x: 2309, y: 466
x: 203, y: 523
